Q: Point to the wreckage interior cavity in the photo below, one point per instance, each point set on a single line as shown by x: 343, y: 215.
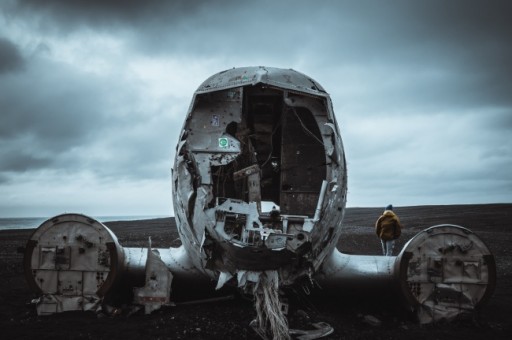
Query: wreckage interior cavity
x: 260, y: 148
x: 282, y: 159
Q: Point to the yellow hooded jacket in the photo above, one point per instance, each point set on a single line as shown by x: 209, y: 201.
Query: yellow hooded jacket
x: 388, y: 226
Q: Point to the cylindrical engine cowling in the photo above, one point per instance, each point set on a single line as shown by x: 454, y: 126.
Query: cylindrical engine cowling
x: 73, y: 256
x: 445, y: 271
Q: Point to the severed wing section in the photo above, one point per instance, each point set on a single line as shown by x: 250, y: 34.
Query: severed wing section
x: 73, y: 261
x: 442, y: 272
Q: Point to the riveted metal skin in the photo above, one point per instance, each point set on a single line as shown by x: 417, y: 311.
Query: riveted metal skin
x: 445, y: 271
x: 72, y: 260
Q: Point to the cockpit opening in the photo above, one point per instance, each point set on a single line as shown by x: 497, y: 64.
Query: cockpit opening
x: 282, y: 158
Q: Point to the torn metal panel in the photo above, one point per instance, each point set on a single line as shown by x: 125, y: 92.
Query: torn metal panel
x: 184, y: 188
x: 244, y: 276
x: 157, y: 289
x: 223, y: 278
x: 321, y: 329
x: 210, y: 119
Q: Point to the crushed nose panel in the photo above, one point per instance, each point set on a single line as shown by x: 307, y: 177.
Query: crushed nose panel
x: 71, y: 261
x: 445, y: 271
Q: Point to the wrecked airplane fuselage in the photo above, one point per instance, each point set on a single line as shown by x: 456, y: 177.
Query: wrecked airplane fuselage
x: 259, y: 192
x: 259, y: 137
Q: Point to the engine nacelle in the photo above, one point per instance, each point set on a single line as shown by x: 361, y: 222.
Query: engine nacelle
x: 444, y: 271
x: 71, y: 261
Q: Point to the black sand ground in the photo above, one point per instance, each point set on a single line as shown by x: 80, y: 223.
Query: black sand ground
x: 230, y: 319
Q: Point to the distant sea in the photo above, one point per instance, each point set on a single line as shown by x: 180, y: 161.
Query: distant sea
x: 34, y: 222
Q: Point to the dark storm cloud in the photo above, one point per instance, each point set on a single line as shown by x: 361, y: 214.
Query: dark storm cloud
x: 48, y: 111
x: 465, y: 36
x: 472, y: 38
x: 51, y: 103
x: 18, y: 159
x: 10, y: 57
x: 499, y: 121
x: 59, y: 118
x: 433, y: 54
x: 100, y: 14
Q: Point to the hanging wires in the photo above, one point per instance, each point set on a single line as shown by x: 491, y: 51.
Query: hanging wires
x: 305, y: 128
x: 271, y: 145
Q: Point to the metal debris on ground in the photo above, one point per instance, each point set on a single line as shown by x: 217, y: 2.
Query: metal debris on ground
x: 321, y: 329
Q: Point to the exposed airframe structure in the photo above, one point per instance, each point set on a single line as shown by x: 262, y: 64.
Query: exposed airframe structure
x: 254, y: 138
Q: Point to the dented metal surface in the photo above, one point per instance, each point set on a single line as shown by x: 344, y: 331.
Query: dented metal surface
x: 259, y: 191
x: 444, y: 272
x: 157, y: 288
x: 71, y: 261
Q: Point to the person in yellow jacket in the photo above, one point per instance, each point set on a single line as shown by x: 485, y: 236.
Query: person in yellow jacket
x: 388, y: 229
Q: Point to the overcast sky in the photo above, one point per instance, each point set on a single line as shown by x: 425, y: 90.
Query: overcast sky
x: 93, y: 95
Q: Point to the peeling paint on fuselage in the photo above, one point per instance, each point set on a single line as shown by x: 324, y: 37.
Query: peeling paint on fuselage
x: 256, y: 135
